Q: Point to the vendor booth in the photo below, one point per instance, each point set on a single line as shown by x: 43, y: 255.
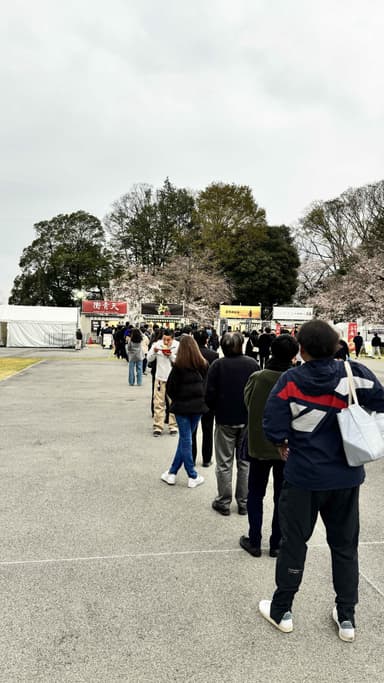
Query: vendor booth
x: 164, y: 315
x: 38, y: 326
x: 242, y: 318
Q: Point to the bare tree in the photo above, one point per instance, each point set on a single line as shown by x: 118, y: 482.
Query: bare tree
x: 330, y: 232
x: 198, y: 284
x: 359, y: 293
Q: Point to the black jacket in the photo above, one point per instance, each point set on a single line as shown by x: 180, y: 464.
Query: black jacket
x: 209, y: 355
x: 264, y: 343
x: 342, y: 352
x: 186, y: 389
x: 227, y: 378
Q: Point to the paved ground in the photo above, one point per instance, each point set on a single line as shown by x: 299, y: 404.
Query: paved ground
x: 107, y: 574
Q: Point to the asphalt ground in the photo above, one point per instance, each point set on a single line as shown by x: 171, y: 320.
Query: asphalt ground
x: 108, y: 574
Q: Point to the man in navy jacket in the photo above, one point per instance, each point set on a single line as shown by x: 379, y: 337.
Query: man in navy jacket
x: 301, y: 419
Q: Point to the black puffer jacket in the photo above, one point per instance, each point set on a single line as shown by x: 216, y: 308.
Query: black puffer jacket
x: 186, y: 389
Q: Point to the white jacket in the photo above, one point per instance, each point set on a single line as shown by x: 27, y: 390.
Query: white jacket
x: 163, y: 362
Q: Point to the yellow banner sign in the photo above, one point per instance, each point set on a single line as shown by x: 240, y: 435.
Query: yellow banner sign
x: 237, y: 312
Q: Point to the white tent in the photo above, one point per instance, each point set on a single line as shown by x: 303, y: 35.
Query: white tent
x: 44, y: 326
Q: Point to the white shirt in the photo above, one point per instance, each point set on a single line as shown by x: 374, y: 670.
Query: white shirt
x: 163, y: 362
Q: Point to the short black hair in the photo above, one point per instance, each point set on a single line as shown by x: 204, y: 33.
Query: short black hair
x: 284, y: 347
x: 168, y: 332
x: 318, y: 339
x: 232, y: 344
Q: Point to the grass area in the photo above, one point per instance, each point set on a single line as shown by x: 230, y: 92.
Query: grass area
x: 10, y: 366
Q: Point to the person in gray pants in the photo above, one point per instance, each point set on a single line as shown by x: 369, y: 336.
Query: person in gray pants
x: 226, y: 380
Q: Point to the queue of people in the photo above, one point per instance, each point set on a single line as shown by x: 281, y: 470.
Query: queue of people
x: 262, y: 412
x: 267, y: 405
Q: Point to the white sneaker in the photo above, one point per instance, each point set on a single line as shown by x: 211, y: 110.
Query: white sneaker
x: 168, y: 478
x: 286, y: 623
x: 346, y: 630
x: 192, y: 483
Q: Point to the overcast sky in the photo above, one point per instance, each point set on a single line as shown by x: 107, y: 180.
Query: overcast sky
x: 283, y: 95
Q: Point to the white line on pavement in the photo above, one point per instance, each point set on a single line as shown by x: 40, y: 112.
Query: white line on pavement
x: 126, y: 556
x: 373, y: 585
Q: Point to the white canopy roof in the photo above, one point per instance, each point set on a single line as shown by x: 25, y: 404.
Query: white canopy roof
x: 42, y: 314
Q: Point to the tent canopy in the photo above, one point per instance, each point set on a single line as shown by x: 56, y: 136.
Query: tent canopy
x: 44, y: 326
x: 36, y: 314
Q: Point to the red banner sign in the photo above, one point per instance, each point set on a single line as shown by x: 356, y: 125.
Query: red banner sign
x: 104, y: 307
x: 352, y: 332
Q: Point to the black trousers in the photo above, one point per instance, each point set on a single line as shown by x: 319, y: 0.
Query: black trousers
x: 257, y: 485
x: 263, y: 357
x: 298, y: 511
x: 207, y: 420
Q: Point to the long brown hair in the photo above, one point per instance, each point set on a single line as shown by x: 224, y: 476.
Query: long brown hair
x: 188, y: 354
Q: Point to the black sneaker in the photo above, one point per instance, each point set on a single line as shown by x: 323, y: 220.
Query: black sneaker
x: 221, y: 509
x: 274, y: 552
x: 251, y: 549
x: 242, y: 510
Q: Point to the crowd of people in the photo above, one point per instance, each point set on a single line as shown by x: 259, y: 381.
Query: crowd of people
x: 265, y: 404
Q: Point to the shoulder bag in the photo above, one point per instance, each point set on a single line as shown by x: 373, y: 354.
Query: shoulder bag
x: 362, y: 438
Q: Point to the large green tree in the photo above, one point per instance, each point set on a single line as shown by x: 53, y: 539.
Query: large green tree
x: 149, y: 227
x: 230, y: 222
x: 260, y: 261
x: 268, y: 274
x: 68, y: 253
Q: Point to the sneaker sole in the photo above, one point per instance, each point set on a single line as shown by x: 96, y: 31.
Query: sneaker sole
x: 170, y: 483
x: 194, y: 486
x: 251, y: 549
x: 274, y: 623
x: 222, y: 511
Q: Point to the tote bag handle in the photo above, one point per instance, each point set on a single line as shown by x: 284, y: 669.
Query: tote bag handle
x: 351, y: 384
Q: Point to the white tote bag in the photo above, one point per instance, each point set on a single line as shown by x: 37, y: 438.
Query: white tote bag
x: 362, y: 437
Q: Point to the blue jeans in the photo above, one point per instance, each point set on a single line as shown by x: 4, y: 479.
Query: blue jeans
x: 138, y: 364
x: 183, y: 456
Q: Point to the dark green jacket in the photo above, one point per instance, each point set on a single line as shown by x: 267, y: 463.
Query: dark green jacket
x: 256, y: 393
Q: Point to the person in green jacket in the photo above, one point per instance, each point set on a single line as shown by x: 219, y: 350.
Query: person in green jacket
x: 262, y: 454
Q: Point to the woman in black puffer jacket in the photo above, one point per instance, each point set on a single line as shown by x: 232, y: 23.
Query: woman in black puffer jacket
x: 186, y: 389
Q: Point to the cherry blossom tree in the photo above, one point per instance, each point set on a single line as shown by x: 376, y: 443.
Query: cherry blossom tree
x: 359, y: 293
x: 198, y: 285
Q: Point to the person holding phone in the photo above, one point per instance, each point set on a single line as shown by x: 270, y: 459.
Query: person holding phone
x: 164, y: 351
